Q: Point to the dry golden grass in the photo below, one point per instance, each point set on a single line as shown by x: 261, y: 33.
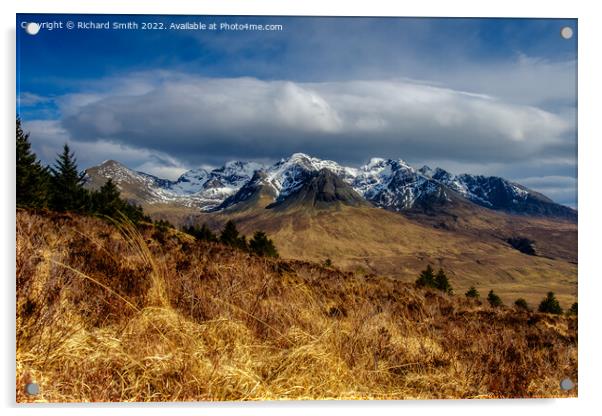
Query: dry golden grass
x: 473, y: 251
x: 111, y: 313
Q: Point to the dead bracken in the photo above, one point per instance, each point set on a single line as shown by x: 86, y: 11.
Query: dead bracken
x: 107, y: 313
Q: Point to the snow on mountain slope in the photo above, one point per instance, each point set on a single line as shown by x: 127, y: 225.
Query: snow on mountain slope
x: 394, y: 184
x: 488, y: 191
x: 287, y: 175
x: 195, y: 188
x: 386, y: 183
x: 190, y: 182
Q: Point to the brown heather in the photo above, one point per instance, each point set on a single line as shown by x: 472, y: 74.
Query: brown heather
x: 109, y: 313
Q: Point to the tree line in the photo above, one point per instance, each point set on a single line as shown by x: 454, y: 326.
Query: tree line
x: 259, y: 244
x: 60, y: 187
x: 439, y: 281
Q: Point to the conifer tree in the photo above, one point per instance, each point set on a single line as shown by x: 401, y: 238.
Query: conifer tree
x: 426, y: 278
x: 242, y: 243
x: 522, y: 304
x: 494, y: 300
x: 573, y: 309
x: 67, y: 191
x: 442, y: 283
x: 107, y: 200
x: 261, y: 245
x: 203, y: 233
x: 229, y: 234
x: 550, y: 305
x: 231, y: 237
x: 135, y: 213
x: 472, y: 293
x: 32, y: 178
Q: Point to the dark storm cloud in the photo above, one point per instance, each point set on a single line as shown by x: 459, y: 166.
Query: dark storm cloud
x: 203, y: 120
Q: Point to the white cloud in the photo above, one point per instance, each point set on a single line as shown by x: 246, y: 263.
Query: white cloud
x: 48, y: 137
x: 206, y: 120
x: 163, y: 123
x: 29, y: 99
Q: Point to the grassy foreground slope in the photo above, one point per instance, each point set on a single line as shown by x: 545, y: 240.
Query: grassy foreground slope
x: 107, y: 313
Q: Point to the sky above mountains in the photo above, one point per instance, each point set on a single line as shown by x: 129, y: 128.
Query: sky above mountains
x: 485, y: 96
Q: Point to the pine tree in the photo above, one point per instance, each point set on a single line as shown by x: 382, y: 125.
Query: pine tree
x: 229, y: 234
x: 135, y: 213
x: 203, y: 233
x: 67, y: 191
x: 550, y: 305
x: 494, y: 300
x: 231, y: 237
x: 573, y: 309
x: 426, y: 278
x: 472, y: 293
x: 242, y: 243
x: 107, y: 200
x: 442, y: 283
x: 522, y: 304
x: 32, y: 178
x: 261, y: 245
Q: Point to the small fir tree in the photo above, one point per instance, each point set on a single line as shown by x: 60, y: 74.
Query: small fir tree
x: 231, y: 237
x: 494, y: 300
x: 202, y: 233
x: 522, y: 304
x: 442, y: 283
x: 262, y: 246
x: 426, y: 278
x: 573, y: 309
x: 472, y: 293
x: 107, y: 200
x: 67, y: 190
x: 550, y: 305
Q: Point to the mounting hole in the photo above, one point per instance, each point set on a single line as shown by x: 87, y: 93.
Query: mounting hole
x: 567, y: 384
x: 566, y: 32
x: 32, y: 28
x: 32, y: 389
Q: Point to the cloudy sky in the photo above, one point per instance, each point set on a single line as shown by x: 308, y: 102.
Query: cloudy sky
x: 486, y: 96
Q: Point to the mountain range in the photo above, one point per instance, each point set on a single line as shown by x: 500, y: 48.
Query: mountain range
x: 385, y: 183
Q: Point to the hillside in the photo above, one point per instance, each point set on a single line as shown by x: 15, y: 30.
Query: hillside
x: 107, y: 313
x: 472, y: 247
x: 384, y: 218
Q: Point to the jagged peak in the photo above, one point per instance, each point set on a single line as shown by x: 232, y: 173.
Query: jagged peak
x: 112, y: 163
x: 299, y: 155
x: 426, y: 170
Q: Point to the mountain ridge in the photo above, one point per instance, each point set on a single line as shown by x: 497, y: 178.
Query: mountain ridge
x: 386, y: 183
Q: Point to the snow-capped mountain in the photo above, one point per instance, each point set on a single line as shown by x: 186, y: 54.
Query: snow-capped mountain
x: 498, y: 193
x: 386, y: 183
x: 393, y: 184
x: 191, y: 181
x: 197, y: 188
x: 287, y: 175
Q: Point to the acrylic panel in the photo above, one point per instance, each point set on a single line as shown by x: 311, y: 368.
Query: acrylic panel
x: 226, y: 208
